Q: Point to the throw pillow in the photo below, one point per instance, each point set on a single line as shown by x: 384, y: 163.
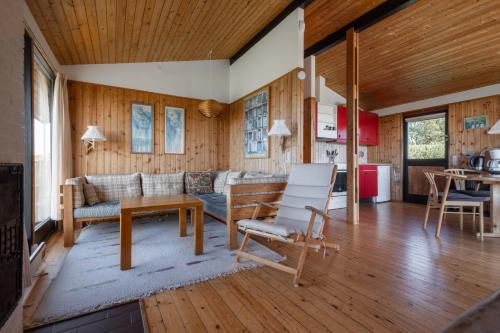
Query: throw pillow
x: 116, y: 186
x: 198, y: 182
x: 257, y: 175
x: 90, y: 194
x: 78, y: 197
x: 231, y: 175
x: 220, y: 181
x: 162, y: 184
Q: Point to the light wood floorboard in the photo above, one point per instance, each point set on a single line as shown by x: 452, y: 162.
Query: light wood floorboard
x: 389, y: 276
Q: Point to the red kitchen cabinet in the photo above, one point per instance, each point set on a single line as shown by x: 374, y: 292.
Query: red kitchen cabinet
x: 341, y: 124
x: 368, y: 181
x: 368, y: 127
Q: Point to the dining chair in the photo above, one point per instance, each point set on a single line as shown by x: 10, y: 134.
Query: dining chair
x: 301, y: 216
x: 452, y: 200
x: 461, y: 187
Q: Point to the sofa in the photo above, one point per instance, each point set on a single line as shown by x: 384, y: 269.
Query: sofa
x: 227, y: 195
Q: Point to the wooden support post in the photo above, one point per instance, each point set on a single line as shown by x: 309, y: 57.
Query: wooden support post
x: 352, y: 127
x: 308, y: 125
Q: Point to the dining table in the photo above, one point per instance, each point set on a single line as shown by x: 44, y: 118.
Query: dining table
x: 494, y: 182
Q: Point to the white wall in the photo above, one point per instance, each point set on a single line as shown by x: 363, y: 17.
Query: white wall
x: 325, y: 95
x: 466, y: 95
x: 279, y: 52
x: 12, y: 105
x: 40, y: 40
x: 12, y: 82
x: 179, y: 78
x: 310, y: 81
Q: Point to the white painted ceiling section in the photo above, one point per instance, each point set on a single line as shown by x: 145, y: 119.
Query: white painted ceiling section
x: 325, y: 95
x: 279, y: 52
x: 178, y: 78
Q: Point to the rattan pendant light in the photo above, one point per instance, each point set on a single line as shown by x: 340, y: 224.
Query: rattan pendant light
x: 210, y: 108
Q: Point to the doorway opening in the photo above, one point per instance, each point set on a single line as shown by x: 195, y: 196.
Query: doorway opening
x: 425, y: 148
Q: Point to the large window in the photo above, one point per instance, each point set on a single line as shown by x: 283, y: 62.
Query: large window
x: 427, y: 137
x: 42, y: 86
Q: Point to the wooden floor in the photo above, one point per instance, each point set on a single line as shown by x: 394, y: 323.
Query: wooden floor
x: 390, y: 276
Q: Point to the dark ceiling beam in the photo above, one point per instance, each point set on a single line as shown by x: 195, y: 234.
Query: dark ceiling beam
x: 366, y: 20
x: 270, y: 26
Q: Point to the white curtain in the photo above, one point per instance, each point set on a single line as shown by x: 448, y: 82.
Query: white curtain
x: 61, y: 143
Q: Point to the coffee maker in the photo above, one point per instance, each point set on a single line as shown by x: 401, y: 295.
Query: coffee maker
x: 474, y: 161
x: 493, y: 165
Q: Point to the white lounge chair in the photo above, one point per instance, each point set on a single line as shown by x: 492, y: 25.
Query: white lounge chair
x: 301, y: 216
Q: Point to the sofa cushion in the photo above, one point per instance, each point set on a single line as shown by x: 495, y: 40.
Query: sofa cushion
x: 111, y: 209
x: 258, y: 180
x: 90, y: 194
x: 231, y: 175
x: 162, y: 184
x: 113, y: 187
x: 252, y: 174
x: 78, y: 196
x: 199, y: 182
x: 101, y: 209
x: 214, y: 203
x: 220, y: 181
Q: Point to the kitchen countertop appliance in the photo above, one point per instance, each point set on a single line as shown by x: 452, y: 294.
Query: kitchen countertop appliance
x: 476, y: 161
x: 493, y: 165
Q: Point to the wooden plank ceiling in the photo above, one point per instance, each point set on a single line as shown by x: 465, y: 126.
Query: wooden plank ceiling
x: 429, y: 49
x: 324, y: 17
x: 117, y: 31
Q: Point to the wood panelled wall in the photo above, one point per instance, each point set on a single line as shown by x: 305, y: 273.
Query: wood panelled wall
x: 206, y: 147
x: 286, y: 102
x: 472, y: 139
x: 390, y: 148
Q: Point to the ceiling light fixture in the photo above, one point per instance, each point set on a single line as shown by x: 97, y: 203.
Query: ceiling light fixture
x: 210, y: 108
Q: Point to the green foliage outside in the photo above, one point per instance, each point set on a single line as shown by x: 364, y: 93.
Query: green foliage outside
x: 433, y: 150
x: 426, y: 139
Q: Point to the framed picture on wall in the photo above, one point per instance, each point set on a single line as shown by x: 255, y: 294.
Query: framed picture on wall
x: 475, y: 122
x: 256, y: 125
x: 174, y: 130
x: 142, y: 123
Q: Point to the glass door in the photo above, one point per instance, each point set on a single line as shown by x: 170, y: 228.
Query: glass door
x: 42, y: 85
x: 425, y: 147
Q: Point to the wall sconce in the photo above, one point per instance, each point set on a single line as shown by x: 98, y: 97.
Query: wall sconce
x: 91, y: 136
x: 280, y: 130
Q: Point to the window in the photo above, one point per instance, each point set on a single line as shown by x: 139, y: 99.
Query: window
x: 427, y: 137
x: 42, y: 85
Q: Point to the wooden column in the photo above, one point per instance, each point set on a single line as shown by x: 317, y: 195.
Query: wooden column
x: 309, y: 132
x: 352, y: 127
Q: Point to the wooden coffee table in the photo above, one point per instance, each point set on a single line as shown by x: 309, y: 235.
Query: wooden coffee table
x: 140, y: 204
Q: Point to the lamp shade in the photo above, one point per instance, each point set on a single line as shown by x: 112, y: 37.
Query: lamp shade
x: 279, y: 128
x: 93, y: 134
x: 495, y: 129
x: 210, y: 108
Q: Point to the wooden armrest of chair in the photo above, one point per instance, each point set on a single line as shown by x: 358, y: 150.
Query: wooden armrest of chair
x: 319, y: 212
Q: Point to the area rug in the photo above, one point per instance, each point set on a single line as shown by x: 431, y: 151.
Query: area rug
x: 91, y: 279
